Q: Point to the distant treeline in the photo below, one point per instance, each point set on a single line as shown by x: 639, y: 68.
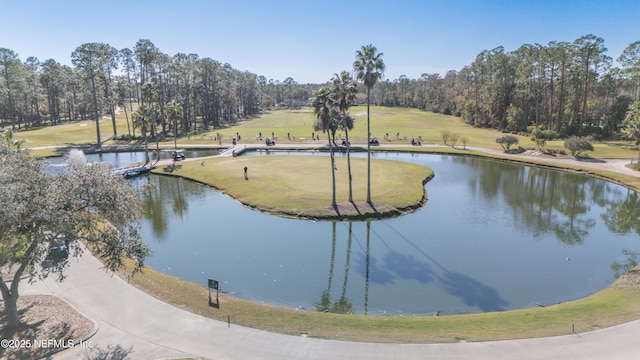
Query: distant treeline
x: 570, y: 88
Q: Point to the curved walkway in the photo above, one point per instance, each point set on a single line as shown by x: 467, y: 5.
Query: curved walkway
x: 133, y: 324
x: 615, y: 165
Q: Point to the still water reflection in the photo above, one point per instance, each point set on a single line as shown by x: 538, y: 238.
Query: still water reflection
x: 492, y: 237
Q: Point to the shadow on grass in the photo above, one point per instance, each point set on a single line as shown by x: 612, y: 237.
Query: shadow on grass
x: 589, y: 159
x: 620, y: 145
x: 171, y: 168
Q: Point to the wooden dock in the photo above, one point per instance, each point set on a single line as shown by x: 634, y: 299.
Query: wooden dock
x: 133, y: 170
x: 233, y: 151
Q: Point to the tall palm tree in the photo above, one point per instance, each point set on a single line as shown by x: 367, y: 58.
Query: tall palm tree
x: 142, y: 119
x: 149, y: 95
x: 173, y: 111
x: 322, y: 109
x: 344, y: 93
x: 369, y: 68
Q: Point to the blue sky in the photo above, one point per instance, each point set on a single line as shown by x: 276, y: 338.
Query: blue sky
x: 312, y: 40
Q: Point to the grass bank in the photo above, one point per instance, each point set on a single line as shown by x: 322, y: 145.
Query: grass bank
x: 617, y: 304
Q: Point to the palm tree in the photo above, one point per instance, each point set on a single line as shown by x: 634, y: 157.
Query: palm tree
x: 322, y: 109
x: 369, y: 68
x: 344, y: 93
x: 142, y: 119
x: 149, y: 94
x: 632, y: 123
x: 173, y: 111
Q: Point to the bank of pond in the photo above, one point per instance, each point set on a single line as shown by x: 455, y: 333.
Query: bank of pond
x: 493, y: 236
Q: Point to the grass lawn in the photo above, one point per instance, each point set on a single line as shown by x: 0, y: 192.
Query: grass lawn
x: 298, y: 124
x: 303, y: 187
x: 68, y: 134
x: 384, y: 120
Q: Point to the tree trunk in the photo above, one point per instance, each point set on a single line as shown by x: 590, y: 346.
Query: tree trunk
x: 560, y: 119
x: 127, y: 117
x: 113, y: 120
x: 333, y: 171
x: 583, y: 112
x: 175, y: 134
x: 346, y: 133
x: 95, y: 107
x: 131, y: 111
x: 157, y: 144
x: 369, y: 145
x: 146, y: 144
x: 10, y: 295
x: 11, y: 310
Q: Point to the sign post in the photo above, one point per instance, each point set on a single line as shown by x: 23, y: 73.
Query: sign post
x: 214, y: 284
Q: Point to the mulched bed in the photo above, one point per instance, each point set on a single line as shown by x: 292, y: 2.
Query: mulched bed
x: 49, y: 324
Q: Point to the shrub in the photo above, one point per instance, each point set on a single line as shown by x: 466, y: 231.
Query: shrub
x: 541, y: 136
x: 507, y: 141
x: 577, y: 145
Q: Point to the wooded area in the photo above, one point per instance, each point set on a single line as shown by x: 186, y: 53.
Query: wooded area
x: 570, y: 88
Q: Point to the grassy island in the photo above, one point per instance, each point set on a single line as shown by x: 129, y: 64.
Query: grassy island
x: 300, y: 186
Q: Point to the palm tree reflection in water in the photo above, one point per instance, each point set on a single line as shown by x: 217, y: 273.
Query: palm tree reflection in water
x: 344, y: 304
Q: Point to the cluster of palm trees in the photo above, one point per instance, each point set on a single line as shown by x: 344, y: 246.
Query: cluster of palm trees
x: 331, y: 108
x: 146, y: 116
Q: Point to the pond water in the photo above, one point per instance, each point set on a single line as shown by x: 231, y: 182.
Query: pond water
x: 492, y: 237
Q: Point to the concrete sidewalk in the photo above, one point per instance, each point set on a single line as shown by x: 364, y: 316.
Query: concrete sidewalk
x: 135, y: 325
